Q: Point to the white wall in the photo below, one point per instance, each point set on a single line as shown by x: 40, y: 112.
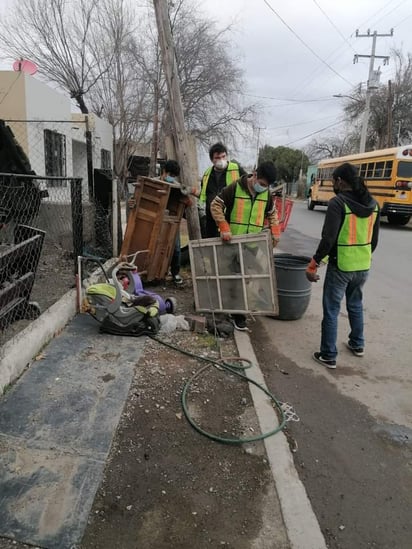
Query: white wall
x: 45, y: 103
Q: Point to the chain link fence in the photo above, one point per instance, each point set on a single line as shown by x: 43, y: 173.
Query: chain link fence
x: 55, y: 204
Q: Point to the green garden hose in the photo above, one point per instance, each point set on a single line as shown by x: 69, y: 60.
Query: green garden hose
x: 229, y: 368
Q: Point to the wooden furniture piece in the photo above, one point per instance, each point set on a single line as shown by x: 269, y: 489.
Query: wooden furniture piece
x: 153, y: 225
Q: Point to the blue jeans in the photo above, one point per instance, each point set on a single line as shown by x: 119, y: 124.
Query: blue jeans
x: 338, y: 284
x: 175, y: 263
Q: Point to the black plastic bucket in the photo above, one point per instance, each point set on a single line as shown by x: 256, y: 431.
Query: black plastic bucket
x: 294, y: 288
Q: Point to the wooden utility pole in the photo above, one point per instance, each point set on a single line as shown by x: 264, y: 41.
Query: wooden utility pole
x: 188, y: 175
x: 390, y: 101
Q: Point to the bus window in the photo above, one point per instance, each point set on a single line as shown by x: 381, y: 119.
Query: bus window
x: 379, y: 168
x: 404, y: 169
x: 388, y: 169
x: 362, y: 171
x: 369, y: 171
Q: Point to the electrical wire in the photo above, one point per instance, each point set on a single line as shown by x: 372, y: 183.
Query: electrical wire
x: 389, y: 12
x: 402, y: 21
x: 300, y: 123
x: 314, y: 133
x: 333, y: 25
x: 305, y: 44
x: 326, y: 98
x: 315, y: 74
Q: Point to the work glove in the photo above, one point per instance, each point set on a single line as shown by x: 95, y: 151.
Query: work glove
x: 225, y: 233
x: 275, y: 240
x: 275, y: 232
x: 312, y: 271
x: 187, y: 201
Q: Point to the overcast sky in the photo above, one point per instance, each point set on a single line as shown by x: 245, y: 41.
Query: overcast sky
x: 293, y: 86
x: 280, y: 68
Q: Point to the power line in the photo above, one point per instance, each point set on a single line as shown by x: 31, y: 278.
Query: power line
x: 315, y: 74
x: 389, y: 12
x: 301, y: 123
x: 402, y: 21
x: 326, y: 98
x: 333, y: 25
x: 305, y: 44
x: 314, y: 133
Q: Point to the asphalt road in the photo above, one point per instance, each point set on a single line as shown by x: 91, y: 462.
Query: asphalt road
x: 354, y: 437
x: 384, y: 381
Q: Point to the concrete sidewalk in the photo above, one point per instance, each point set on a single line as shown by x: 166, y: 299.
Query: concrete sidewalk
x: 56, y: 428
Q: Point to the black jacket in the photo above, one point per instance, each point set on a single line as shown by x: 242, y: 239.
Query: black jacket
x: 335, y: 216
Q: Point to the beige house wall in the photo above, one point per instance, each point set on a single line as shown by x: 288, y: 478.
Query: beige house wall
x: 13, y: 105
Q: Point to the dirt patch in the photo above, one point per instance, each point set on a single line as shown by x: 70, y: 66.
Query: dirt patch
x: 168, y: 486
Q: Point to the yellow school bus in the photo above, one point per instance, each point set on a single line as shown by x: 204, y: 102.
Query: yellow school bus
x: 387, y: 174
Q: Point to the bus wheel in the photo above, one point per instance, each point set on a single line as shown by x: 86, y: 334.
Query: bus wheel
x: 311, y: 203
x: 398, y: 219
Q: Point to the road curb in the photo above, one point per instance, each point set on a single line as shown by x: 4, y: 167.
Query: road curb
x: 302, y: 526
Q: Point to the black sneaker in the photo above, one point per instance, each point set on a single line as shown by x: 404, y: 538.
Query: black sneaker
x: 239, y: 322
x: 357, y: 351
x: 178, y: 280
x: 329, y: 363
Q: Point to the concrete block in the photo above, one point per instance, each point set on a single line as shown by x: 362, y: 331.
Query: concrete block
x: 197, y: 323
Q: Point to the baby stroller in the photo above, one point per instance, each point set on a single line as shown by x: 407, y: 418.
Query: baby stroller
x: 119, y: 312
x: 132, y: 284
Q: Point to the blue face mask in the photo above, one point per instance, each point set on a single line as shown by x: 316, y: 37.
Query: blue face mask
x: 169, y: 179
x: 258, y: 188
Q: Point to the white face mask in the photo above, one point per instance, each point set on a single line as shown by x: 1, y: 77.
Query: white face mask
x: 221, y: 164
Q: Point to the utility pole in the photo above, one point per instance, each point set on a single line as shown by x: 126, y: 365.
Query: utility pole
x: 257, y: 147
x: 181, y: 142
x: 390, y: 100
x: 373, y: 79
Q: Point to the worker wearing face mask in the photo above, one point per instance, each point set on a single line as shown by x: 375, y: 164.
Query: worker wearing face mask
x: 246, y: 206
x: 216, y: 178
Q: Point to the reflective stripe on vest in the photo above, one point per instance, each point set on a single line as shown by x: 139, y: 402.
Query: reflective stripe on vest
x: 248, y: 214
x: 354, y: 248
x: 232, y: 174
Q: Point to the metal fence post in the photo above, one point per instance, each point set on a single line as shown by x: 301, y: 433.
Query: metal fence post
x: 115, y: 217
x: 89, y: 155
x: 77, y: 218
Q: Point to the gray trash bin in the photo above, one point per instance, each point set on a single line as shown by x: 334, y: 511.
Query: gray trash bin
x: 294, y: 289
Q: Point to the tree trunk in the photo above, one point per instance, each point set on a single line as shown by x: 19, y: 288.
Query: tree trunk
x: 78, y: 96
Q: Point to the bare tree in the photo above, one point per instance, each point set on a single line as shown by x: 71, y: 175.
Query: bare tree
x: 332, y: 146
x: 61, y: 38
x: 211, y: 82
x: 122, y: 94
